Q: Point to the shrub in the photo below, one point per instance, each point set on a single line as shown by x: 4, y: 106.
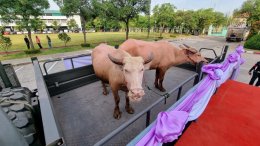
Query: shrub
x: 64, y: 37
x: 160, y: 38
x: 253, y: 42
x: 85, y: 45
x: 32, y: 51
x: 5, y: 43
x: 116, y: 46
x: 173, y: 35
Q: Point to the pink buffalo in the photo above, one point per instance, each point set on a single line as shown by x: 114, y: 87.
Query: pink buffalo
x: 165, y: 56
x: 122, y: 72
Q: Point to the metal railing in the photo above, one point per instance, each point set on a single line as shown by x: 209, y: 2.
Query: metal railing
x: 60, y: 59
x: 52, y: 131
x: 210, y: 50
x: 146, y: 111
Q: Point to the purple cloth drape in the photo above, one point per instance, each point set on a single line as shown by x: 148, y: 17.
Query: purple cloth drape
x: 169, y: 124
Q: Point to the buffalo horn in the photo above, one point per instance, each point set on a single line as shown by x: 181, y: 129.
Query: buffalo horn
x: 114, y: 60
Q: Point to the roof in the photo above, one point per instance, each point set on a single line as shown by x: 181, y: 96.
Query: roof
x: 52, y: 11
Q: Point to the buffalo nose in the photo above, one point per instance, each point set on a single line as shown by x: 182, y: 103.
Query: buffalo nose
x: 138, y: 92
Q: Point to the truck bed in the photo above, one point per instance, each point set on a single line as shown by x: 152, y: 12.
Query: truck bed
x: 85, y: 115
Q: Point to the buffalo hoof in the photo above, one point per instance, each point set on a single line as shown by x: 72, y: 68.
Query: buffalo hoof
x: 105, y: 93
x: 117, y: 114
x: 156, y: 85
x: 130, y: 110
x: 162, y: 89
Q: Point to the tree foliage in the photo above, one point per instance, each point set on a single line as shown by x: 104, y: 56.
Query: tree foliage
x: 83, y: 8
x: 55, y: 25
x: 23, y: 12
x: 185, y: 20
x: 141, y: 21
x: 38, y: 24
x: 72, y: 24
x: 253, y: 42
x: 2, y: 29
x: 164, y: 15
x: 64, y: 37
x: 250, y: 10
x: 198, y: 20
x: 122, y: 10
x: 5, y: 43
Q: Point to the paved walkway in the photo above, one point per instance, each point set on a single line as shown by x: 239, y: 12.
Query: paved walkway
x: 23, y: 61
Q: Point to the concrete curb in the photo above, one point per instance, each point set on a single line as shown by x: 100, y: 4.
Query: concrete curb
x: 252, y: 52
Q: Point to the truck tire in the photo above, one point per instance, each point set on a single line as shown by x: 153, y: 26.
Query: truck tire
x: 17, y: 105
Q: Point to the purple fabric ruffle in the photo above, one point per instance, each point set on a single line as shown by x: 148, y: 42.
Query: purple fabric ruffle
x: 169, y: 124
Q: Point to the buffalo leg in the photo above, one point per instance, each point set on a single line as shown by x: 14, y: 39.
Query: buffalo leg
x: 117, y: 113
x: 156, y: 78
x: 105, y: 92
x: 161, y: 77
x: 128, y: 107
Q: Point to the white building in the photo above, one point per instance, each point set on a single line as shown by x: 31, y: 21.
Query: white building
x: 49, y: 17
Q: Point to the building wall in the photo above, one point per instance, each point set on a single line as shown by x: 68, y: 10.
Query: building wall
x: 49, y: 16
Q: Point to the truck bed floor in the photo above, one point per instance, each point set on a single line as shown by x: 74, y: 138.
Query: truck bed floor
x: 86, y: 115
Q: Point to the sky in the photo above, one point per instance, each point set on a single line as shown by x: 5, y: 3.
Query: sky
x: 225, y: 6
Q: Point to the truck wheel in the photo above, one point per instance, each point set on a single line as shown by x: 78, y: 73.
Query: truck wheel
x: 17, y: 106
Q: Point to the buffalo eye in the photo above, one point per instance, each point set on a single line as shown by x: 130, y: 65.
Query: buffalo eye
x: 127, y: 71
x: 142, y: 69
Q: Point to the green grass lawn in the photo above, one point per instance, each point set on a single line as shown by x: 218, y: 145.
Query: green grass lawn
x: 94, y: 39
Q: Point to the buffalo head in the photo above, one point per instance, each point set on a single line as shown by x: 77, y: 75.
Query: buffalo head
x: 193, y: 56
x: 133, y: 70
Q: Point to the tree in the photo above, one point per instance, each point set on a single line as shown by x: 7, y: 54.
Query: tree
x: 55, y: 25
x: 5, y: 43
x: 219, y: 19
x: 64, y: 37
x: 83, y: 8
x: 250, y: 10
x: 38, y: 24
x: 72, y: 24
x: 22, y: 11
x: 123, y: 10
x: 2, y: 29
x: 141, y: 21
x: 163, y: 15
x: 148, y: 14
x: 205, y: 17
x: 189, y: 21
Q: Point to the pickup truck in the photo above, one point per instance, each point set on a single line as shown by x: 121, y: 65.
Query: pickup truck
x: 68, y: 107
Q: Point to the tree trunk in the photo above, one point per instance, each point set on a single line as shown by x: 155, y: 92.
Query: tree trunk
x: 149, y: 26
x: 162, y: 31
x: 127, y: 29
x: 30, y: 38
x: 83, y: 24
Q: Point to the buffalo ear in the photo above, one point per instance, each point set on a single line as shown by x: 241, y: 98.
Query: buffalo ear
x: 115, y: 60
x: 190, y: 48
x: 188, y: 51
